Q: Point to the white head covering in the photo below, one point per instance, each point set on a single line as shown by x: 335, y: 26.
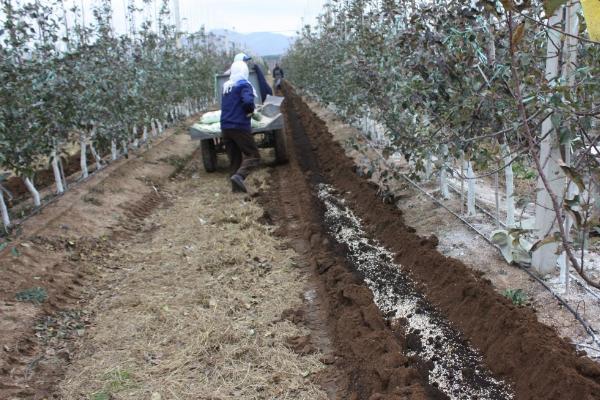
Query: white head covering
x: 242, y: 57
x: 238, y: 72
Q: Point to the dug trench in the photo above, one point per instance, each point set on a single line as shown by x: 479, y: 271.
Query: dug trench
x: 382, y: 350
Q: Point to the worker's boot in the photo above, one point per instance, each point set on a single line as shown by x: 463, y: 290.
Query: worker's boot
x: 235, y: 188
x: 237, y: 182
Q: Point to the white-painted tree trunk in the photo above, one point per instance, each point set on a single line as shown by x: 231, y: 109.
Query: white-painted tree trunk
x: 125, y: 148
x: 62, y: 174
x: 145, y: 135
x: 114, y: 153
x: 83, y: 155
x: 57, y: 175
x: 35, y: 195
x: 544, y: 258
x: 444, y: 173
x: 4, y: 211
x: 97, y: 157
x: 510, y: 187
x: 428, y: 167
x: 160, y: 127
x: 154, y: 129
x: 471, y: 211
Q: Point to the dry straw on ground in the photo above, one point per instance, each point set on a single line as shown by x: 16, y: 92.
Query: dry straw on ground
x: 193, y: 311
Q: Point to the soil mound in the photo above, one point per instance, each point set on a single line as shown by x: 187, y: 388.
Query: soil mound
x: 516, y: 347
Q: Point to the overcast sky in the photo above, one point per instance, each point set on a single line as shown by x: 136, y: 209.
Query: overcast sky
x: 281, y: 16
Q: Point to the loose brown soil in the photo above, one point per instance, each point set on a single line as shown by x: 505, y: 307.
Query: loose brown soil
x: 515, y: 346
x: 192, y: 306
x: 164, y: 286
x: 56, y: 250
x: 367, y: 354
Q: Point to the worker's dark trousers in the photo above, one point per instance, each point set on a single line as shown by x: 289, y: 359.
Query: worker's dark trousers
x: 242, y: 151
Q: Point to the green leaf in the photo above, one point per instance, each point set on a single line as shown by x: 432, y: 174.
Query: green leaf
x: 15, y: 252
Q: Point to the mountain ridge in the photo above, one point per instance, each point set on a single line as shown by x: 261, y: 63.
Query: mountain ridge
x: 259, y: 43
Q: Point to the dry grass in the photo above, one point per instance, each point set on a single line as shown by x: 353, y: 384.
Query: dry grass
x: 193, y: 311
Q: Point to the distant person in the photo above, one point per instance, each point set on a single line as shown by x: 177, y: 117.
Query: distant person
x: 237, y: 106
x: 277, y: 76
x: 265, y: 89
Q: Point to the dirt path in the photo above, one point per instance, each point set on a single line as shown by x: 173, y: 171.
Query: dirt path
x: 193, y: 310
x: 51, y: 268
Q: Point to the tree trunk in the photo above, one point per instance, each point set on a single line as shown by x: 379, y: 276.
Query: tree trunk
x: 135, y: 136
x: 83, y: 155
x: 114, y: 154
x: 57, y: 176
x: 471, y: 211
x: 62, y: 174
x: 145, y: 135
x: 4, y: 210
x: 510, y: 186
x: 428, y: 167
x: 35, y: 195
x: 97, y: 157
x: 444, y: 172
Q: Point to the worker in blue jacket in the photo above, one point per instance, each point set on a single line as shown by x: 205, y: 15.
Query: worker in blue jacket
x: 265, y: 89
x: 237, y: 106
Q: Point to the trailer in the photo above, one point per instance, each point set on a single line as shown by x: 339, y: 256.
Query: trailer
x: 269, y: 132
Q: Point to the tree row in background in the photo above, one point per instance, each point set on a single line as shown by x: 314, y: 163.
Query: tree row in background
x: 64, y: 81
x: 480, y: 84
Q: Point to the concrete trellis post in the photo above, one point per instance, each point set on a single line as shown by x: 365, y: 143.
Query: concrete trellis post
x: 544, y: 258
x: 568, y: 73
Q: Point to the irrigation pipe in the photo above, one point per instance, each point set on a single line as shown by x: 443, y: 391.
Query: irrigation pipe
x: 588, y: 328
x: 489, y: 214
x: 481, y: 208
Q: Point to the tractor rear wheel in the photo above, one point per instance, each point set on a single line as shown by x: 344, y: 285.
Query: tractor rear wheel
x: 209, y: 155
